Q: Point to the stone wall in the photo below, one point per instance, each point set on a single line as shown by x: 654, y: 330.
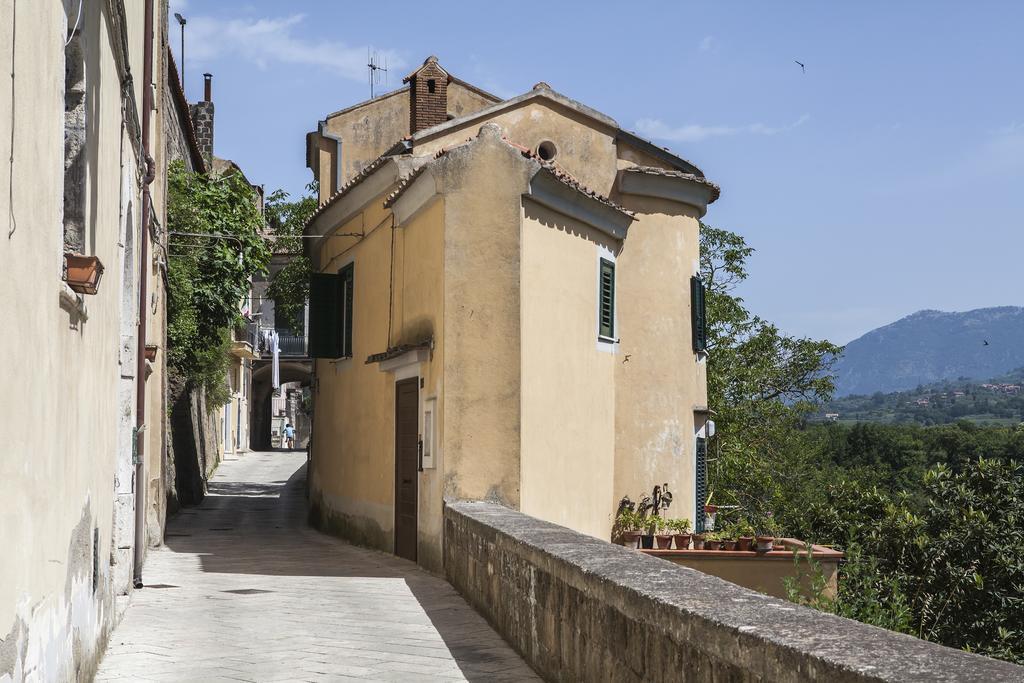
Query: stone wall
x: 578, y: 608
x: 195, y: 428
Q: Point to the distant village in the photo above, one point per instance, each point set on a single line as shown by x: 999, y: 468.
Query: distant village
x: 993, y: 400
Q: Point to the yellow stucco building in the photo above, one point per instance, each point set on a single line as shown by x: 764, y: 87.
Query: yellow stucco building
x: 502, y: 309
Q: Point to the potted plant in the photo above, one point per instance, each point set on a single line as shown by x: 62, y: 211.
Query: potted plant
x: 83, y: 273
x: 627, y: 523
x: 766, y: 538
x: 680, y: 532
x: 713, y: 540
x: 744, y: 535
x: 729, y: 542
x: 698, y: 541
x: 660, y: 527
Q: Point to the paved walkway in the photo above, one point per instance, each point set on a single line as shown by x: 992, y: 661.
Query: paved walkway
x: 245, y: 591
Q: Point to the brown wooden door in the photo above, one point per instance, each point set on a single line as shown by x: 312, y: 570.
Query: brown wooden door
x: 406, y: 466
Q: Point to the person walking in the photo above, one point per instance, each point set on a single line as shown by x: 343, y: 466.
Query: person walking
x: 289, y: 435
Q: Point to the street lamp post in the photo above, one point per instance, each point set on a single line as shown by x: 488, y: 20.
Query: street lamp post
x: 182, y: 22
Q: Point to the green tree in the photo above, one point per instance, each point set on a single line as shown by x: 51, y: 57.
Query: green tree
x: 761, y: 384
x: 289, y: 287
x: 216, y: 248
x: 949, y: 568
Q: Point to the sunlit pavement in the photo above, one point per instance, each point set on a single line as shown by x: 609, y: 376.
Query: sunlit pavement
x: 243, y: 590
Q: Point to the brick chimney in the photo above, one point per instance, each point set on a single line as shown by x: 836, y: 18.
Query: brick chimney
x: 202, y: 121
x: 428, y: 95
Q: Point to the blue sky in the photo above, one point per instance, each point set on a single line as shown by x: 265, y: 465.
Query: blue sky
x: 887, y: 178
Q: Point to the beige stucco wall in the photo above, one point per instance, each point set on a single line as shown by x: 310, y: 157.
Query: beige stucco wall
x: 483, y: 184
x: 533, y: 411
x: 568, y: 378
x: 369, y: 129
x: 663, y: 383
x: 585, y: 150
x: 354, y: 449
x: 61, y: 457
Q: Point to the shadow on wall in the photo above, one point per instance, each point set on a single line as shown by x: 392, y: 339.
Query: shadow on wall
x: 259, y: 528
x: 194, y: 430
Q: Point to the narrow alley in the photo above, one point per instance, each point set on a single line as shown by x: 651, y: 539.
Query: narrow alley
x: 244, y: 590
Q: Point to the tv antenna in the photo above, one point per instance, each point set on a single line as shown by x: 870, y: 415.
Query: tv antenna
x: 378, y: 71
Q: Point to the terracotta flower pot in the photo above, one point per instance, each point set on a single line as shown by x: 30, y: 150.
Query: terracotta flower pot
x: 151, y: 350
x: 83, y: 272
x: 765, y: 544
x: 712, y: 545
x: 698, y: 542
x: 728, y: 545
x: 646, y: 541
x: 744, y: 543
x: 664, y: 541
x: 682, y: 541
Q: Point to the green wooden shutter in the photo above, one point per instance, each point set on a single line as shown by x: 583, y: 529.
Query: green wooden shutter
x: 324, y: 316
x: 698, y: 315
x: 701, y: 488
x: 347, y: 275
x: 606, y: 324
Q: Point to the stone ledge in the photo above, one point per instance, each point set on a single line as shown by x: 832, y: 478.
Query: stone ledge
x: 579, y: 608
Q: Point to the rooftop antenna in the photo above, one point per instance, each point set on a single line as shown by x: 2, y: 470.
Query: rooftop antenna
x: 377, y: 70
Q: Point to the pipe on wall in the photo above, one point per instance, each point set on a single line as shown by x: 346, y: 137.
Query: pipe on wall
x: 140, y: 351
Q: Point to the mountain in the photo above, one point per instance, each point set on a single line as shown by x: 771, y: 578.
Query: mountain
x: 931, y: 346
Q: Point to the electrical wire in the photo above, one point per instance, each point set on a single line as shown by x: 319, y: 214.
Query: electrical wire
x: 77, y: 19
x: 10, y: 181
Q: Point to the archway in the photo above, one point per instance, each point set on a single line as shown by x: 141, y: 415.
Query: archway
x: 290, y: 372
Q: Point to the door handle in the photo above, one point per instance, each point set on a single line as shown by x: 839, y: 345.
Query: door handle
x: 419, y: 455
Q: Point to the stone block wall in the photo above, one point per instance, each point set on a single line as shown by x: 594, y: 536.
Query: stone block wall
x: 580, y: 609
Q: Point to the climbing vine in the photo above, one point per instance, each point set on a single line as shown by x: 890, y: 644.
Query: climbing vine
x: 289, y: 287
x: 216, y: 246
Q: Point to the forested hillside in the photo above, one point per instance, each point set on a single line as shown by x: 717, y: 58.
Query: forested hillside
x: 932, y: 346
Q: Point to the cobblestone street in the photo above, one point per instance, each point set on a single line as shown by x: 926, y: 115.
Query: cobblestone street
x: 243, y: 590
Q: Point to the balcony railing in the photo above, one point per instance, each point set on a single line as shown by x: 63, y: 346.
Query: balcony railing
x: 291, y: 344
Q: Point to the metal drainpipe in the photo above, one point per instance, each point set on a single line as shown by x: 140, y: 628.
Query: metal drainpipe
x: 140, y: 351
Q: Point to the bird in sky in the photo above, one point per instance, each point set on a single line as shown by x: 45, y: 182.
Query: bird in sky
x: 802, y: 68
x: 984, y: 342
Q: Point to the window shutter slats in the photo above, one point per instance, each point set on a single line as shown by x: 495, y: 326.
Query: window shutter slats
x: 698, y: 314
x: 701, y: 488
x: 347, y: 275
x: 606, y: 312
x: 324, y: 316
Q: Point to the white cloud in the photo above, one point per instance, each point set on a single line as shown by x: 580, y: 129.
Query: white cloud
x: 707, y: 43
x: 265, y: 41
x: 653, y: 128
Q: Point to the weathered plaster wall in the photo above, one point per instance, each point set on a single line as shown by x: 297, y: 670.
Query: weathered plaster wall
x: 568, y: 378
x: 585, y: 150
x: 353, y: 431
x: 61, y: 353
x: 580, y: 609
x: 657, y: 391
x: 483, y: 184
x: 371, y: 128
x: 418, y: 312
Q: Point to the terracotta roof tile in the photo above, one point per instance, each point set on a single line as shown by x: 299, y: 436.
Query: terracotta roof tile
x: 365, y: 173
x: 567, y: 178
x: 700, y: 179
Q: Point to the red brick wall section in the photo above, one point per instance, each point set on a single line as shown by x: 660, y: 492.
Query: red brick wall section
x: 428, y: 108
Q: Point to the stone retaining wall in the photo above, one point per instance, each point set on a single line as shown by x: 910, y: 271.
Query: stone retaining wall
x: 580, y: 609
